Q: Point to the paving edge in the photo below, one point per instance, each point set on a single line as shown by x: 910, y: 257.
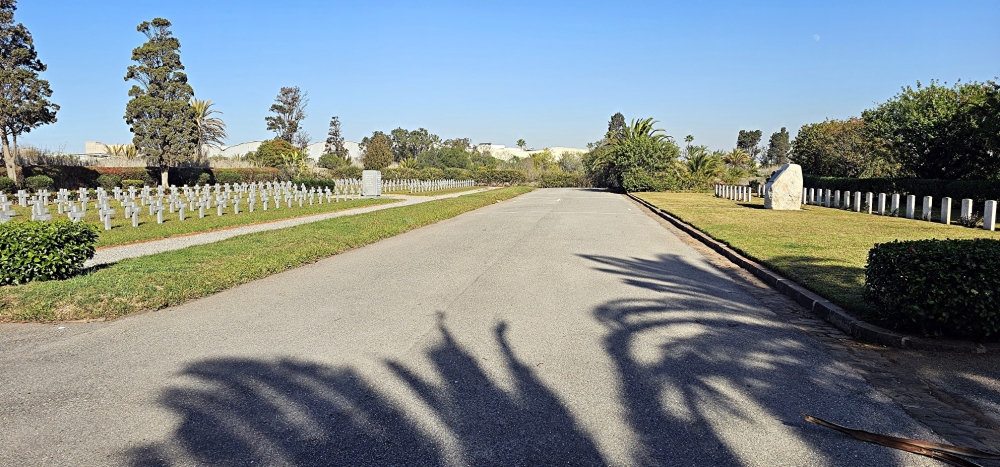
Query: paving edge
x: 820, y: 306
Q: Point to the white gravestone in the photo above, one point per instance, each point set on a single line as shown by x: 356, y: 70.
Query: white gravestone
x: 371, y: 183
x: 990, y: 215
x: 946, y: 211
x: 784, y: 189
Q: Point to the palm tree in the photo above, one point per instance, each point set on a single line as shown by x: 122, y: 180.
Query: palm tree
x: 211, y: 130
x: 645, y: 129
x: 738, y: 158
x: 702, y: 164
x: 521, y: 144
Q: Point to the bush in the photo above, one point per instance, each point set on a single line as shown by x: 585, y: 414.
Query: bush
x: 940, y: 287
x: 109, y: 182
x: 493, y: 176
x: 31, y: 251
x: 203, y: 179
x: 331, y: 161
x: 135, y: 183
x: 399, y: 173
x: 346, y: 172
x: 228, y: 176
x: 454, y: 173
x: 39, y: 182
x: 315, y: 182
x: 272, y: 153
x: 7, y: 185
x: 430, y: 173
x: 563, y: 180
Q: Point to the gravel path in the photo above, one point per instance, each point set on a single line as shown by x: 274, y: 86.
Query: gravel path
x: 135, y: 250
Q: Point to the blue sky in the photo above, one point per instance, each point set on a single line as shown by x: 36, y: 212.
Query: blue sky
x: 549, y: 72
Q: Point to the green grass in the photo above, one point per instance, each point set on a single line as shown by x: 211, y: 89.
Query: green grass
x: 122, y: 231
x: 157, y: 281
x: 446, y: 191
x: 823, y: 249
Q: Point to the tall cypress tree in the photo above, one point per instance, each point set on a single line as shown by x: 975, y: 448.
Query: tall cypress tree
x: 24, y: 103
x: 778, y: 147
x: 159, y: 113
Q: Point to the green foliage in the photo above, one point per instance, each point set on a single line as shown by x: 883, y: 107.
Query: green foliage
x: 228, y: 176
x: 410, y: 144
x: 7, y: 185
x: 454, y: 173
x: 942, y: 133
x: 571, y: 162
x: 642, y: 159
x: 377, y: 151
x: 272, y: 153
x: 204, y: 178
x: 133, y: 183
x: 109, y: 182
x: 310, y: 182
x: 941, y: 287
x: 211, y: 130
x: 37, y: 251
x: 840, y: 148
x: 335, y: 144
x: 976, y: 190
x: 430, y: 173
x: 349, y: 172
x: 493, y: 176
x: 162, y: 120
x: 749, y: 142
x: 445, y: 157
x: 24, y: 103
x: 331, y: 161
x: 483, y: 158
x: 563, y: 180
x: 778, y: 148
x: 39, y: 182
x: 289, y: 111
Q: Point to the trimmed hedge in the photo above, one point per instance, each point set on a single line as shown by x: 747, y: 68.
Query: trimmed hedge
x: 494, y: 176
x: 31, y: 250
x: 976, y: 190
x: 39, y: 182
x: 315, y: 182
x: 563, y: 180
x: 74, y: 177
x: 939, y: 287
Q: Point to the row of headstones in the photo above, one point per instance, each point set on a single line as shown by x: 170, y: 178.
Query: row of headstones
x: 419, y: 186
x: 853, y: 201
x: 200, y: 197
x: 738, y: 192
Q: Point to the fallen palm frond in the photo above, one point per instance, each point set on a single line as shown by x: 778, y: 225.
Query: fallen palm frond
x: 943, y: 452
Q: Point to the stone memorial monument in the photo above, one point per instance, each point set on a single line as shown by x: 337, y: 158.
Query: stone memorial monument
x: 784, y: 189
x: 371, y: 183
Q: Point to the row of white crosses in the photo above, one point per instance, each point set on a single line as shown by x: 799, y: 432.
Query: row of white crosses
x: 853, y: 201
x: 420, y: 186
x: 737, y: 192
x: 178, y: 200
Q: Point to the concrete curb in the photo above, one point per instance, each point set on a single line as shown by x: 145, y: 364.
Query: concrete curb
x: 820, y: 306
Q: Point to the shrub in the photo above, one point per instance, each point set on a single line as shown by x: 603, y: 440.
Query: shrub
x: 494, y: 176
x: 563, y: 180
x: 346, y: 172
x: 272, y: 153
x: 331, y: 161
x: 315, y: 182
x: 399, y: 173
x: 228, y: 176
x: 39, y: 182
x: 430, y: 173
x: 204, y: 178
x: 31, y: 251
x: 109, y: 182
x: 454, y: 173
x: 135, y: 183
x: 7, y: 185
x: 941, y: 287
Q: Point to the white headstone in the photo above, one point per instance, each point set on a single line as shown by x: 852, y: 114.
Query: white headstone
x: 990, y: 215
x: 946, y: 211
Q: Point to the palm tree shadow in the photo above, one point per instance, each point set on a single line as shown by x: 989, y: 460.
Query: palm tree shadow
x: 729, y: 363
x: 290, y: 412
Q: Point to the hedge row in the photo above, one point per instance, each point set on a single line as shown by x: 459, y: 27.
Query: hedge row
x: 32, y: 250
x: 977, y: 190
x: 939, y: 287
x: 73, y: 177
x: 564, y: 180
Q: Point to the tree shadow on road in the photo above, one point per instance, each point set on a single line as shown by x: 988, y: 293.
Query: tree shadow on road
x: 728, y: 377
x: 289, y: 412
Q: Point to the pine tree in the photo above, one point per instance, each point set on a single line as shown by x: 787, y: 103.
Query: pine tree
x: 334, y: 141
x: 24, y: 103
x: 616, y: 127
x: 778, y: 147
x: 160, y: 116
x: 378, y: 151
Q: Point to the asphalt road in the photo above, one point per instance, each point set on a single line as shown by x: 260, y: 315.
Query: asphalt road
x: 564, y: 327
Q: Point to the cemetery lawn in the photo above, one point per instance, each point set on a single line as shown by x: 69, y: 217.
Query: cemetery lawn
x: 823, y: 249
x: 171, y: 278
x: 122, y: 232
x: 447, y: 191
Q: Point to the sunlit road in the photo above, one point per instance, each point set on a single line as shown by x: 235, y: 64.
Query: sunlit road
x: 564, y: 327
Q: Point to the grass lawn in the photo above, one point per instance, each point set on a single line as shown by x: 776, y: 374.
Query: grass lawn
x: 171, y: 278
x: 122, y: 231
x: 446, y: 191
x: 824, y: 249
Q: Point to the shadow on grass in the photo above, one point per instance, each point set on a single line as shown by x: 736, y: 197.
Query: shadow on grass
x: 288, y: 412
x: 841, y: 284
x: 751, y: 206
